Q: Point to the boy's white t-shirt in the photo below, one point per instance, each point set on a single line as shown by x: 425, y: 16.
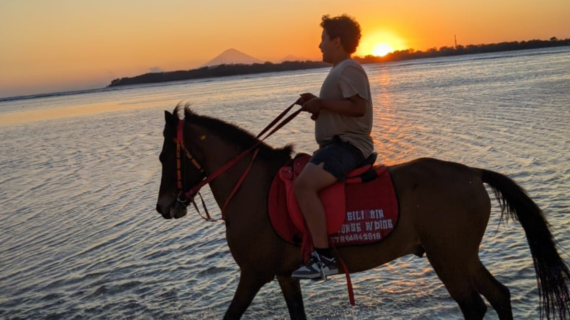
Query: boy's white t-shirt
x: 345, y: 80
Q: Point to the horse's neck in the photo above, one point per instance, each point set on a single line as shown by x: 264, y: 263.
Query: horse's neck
x: 218, y: 153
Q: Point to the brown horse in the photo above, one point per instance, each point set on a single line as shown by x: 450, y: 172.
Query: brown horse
x: 444, y: 212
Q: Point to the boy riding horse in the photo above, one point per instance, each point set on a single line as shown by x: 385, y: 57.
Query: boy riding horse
x: 343, y: 122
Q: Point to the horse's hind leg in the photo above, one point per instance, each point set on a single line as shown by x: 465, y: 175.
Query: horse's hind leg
x: 249, y: 284
x: 292, y: 292
x: 460, y: 285
x: 497, y: 294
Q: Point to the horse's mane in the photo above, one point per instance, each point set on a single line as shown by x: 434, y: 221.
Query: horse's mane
x: 233, y: 133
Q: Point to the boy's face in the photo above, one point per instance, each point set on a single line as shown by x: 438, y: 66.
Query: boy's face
x: 328, y: 46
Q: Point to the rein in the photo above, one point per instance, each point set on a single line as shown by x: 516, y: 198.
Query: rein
x: 255, y: 148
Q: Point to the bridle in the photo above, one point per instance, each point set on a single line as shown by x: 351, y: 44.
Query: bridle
x: 183, y: 196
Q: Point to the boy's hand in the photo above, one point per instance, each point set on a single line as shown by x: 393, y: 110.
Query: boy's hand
x: 313, y: 106
x: 305, y: 97
x: 310, y: 103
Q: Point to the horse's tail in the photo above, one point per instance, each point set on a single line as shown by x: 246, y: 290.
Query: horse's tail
x: 551, y: 271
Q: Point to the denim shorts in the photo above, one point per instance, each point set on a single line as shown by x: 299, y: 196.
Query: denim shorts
x: 339, y: 157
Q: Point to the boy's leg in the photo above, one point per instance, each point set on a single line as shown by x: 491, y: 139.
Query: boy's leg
x: 328, y: 165
x: 313, y: 179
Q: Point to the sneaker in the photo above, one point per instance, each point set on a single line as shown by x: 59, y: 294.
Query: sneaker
x: 318, y: 268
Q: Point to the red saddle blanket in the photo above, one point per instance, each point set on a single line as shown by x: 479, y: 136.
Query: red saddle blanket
x: 357, y: 212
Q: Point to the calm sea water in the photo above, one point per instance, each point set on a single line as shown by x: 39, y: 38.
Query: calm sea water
x: 80, y: 238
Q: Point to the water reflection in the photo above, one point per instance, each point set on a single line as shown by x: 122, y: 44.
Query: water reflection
x: 391, y: 133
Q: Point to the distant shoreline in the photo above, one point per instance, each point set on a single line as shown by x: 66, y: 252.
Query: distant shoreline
x: 256, y: 68
x: 411, y: 54
x: 222, y: 70
x: 392, y: 57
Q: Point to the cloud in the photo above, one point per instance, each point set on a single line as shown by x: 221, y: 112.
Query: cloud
x: 155, y: 70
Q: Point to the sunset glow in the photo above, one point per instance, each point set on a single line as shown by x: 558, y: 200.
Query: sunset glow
x: 382, y: 49
x: 61, y: 45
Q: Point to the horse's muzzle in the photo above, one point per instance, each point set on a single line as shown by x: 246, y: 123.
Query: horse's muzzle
x: 164, y: 212
x: 175, y: 210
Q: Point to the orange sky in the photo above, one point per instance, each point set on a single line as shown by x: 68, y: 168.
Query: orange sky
x: 59, y: 45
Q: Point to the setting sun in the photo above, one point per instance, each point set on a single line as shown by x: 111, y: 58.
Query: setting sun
x: 379, y: 43
x: 382, y: 49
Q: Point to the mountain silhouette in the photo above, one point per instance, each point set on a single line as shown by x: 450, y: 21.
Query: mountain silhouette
x: 232, y: 56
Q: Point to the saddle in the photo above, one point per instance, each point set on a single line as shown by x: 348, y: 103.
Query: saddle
x: 362, y: 209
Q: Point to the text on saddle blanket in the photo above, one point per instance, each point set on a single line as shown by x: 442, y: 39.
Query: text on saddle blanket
x: 358, y: 212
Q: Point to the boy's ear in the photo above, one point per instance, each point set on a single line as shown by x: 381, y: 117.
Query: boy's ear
x: 336, y: 41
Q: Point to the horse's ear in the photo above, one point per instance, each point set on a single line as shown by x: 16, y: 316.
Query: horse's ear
x: 169, y: 118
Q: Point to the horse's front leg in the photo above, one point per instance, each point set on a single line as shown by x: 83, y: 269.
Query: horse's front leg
x: 249, y: 284
x: 292, y: 293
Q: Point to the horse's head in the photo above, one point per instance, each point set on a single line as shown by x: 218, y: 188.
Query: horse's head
x: 179, y: 172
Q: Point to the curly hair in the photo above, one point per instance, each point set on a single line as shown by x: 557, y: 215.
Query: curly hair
x: 344, y: 27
